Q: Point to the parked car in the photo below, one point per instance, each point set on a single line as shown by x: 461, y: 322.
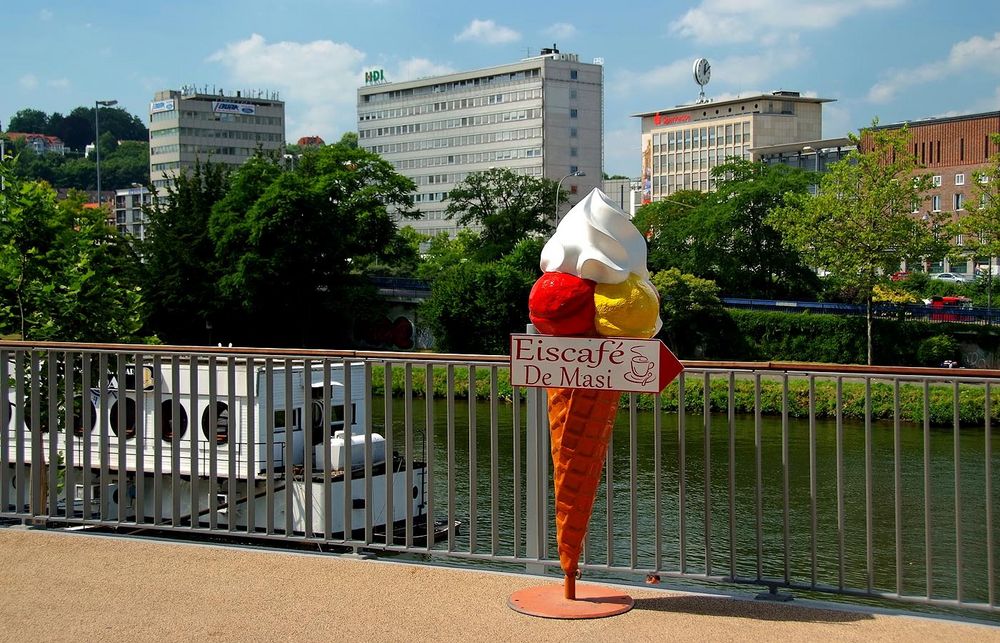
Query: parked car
x: 900, y: 275
x: 953, y: 277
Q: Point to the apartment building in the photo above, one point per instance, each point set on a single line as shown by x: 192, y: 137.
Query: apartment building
x: 189, y: 125
x: 129, y: 217
x: 541, y: 116
x: 681, y: 145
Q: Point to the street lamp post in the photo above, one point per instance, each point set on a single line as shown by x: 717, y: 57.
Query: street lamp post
x: 98, y: 104
x: 558, y: 187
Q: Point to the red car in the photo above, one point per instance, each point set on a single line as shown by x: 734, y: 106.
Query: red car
x: 900, y: 275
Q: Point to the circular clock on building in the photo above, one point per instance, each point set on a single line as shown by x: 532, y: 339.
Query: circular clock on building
x: 702, y: 71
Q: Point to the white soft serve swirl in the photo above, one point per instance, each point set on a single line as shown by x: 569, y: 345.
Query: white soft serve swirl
x: 596, y: 241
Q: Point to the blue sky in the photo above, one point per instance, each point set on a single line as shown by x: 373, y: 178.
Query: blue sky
x: 891, y: 59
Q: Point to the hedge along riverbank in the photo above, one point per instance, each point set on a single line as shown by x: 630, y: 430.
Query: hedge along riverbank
x: 971, y: 397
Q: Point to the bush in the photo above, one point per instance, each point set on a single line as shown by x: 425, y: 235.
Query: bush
x: 935, y: 350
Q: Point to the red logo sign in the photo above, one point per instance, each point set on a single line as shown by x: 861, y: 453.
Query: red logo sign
x: 667, y: 120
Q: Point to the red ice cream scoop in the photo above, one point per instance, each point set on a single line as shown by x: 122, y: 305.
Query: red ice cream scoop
x: 562, y: 304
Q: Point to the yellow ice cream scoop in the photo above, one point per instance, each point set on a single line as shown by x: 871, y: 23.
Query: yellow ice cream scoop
x: 627, y: 309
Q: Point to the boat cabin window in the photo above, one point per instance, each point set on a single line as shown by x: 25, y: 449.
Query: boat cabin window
x: 128, y: 422
x: 220, y: 432
x: 172, y: 431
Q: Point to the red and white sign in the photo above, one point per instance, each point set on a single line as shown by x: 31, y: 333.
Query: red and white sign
x: 660, y: 119
x: 610, y: 363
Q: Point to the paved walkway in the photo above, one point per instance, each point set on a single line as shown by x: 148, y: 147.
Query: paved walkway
x: 59, y: 586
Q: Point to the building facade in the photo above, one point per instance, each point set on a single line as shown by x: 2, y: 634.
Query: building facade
x: 681, y: 145
x: 188, y: 126
x: 129, y: 217
x: 541, y: 116
x: 626, y: 193
x: 39, y: 143
x: 952, y: 150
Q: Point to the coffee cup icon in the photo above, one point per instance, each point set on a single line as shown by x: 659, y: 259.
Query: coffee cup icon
x: 641, y: 368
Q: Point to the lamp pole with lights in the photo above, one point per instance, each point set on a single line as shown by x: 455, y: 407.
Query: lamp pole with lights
x: 98, y: 104
x: 558, y: 187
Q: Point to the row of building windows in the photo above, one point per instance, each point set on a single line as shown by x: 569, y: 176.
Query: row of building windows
x: 204, y: 132
x: 458, y: 85
x: 197, y: 115
x: 457, y: 141
x: 698, y: 137
x: 202, y: 149
x: 475, y: 157
x: 705, y: 159
x: 663, y: 185
x: 429, y: 197
x: 441, y: 106
x: 163, y: 167
x: 930, y: 152
x: 451, y: 123
x: 957, y: 202
x: 458, y: 177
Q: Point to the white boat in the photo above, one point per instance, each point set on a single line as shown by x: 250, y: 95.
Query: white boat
x: 164, y: 449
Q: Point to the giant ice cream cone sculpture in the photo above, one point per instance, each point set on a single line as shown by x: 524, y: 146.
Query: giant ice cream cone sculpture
x: 595, y: 283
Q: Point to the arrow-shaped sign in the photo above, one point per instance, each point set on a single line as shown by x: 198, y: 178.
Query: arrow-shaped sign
x: 609, y: 363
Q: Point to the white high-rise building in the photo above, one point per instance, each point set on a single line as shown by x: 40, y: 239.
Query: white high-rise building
x: 187, y: 126
x: 542, y: 116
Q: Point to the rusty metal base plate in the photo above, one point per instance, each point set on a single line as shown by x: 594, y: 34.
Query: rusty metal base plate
x: 592, y: 601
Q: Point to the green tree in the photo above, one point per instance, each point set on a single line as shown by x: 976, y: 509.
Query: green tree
x: 444, y: 251
x: 29, y: 121
x: 504, y: 208
x: 64, y: 273
x: 286, y: 240
x: 690, y: 309
x: 860, y: 226
x: 473, y: 307
x: 180, y: 271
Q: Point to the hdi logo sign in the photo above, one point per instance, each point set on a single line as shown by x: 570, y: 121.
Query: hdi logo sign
x: 374, y: 76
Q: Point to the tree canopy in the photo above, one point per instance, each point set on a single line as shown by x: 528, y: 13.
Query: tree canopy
x: 77, y: 129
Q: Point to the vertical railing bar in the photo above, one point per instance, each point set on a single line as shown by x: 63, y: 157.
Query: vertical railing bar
x: 758, y: 447
x: 157, y: 436
x: 347, y: 374
x: 328, y: 447
x: 103, y: 419
x: 657, y: 482
x: 988, y: 472
x: 212, y: 441
x: 633, y: 505
x: 69, y: 479
x: 516, y: 449
x: 956, y: 412
x: 681, y: 474
x: 731, y: 404
x: 175, y: 447
x: 928, y: 522
x: 287, y: 477
x: 785, y: 475
x: 429, y: 455
x: 20, y: 475
x: 121, y: 432
x: 869, y: 491
x: 307, y: 446
x: 495, y: 460
x: 233, y: 426
x: 390, y: 465
x: 5, y: 421
x: 37, y: 454
x: 250, y: 439
x: 194, y: 365
x: 707, y: 439
x: 450, y: 397
x: 369, y: 427
x: 841, y: 554
x: 408, y: 451
x: 813, y: 491
x: 897, y: 460
x: 268, y: 420
x: 52, y: 483
x: 140, y: 439
x: 473, y: 461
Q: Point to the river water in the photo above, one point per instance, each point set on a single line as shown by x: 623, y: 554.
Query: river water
x: 495, y: 513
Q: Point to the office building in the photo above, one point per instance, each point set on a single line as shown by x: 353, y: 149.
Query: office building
x: 681, y: 145
x: 189, y: 125
x: 541, y: 117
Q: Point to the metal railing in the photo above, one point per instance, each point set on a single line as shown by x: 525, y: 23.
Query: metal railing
x: 864, y: 481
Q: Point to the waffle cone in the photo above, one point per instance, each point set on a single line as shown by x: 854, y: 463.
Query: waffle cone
x: 580, y: 424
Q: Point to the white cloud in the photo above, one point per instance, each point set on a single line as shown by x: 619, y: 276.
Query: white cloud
x: 28, y: 81
x: 45, y: 15
x: 318, y: 80
x: 415, y: 68
x: 58, y: 83
x: 737, y: 21
x: 560, y: 31
x: 976, y: 52
x: 488, y: 32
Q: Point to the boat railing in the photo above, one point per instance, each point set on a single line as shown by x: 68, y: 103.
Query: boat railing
x: 874, y: 482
